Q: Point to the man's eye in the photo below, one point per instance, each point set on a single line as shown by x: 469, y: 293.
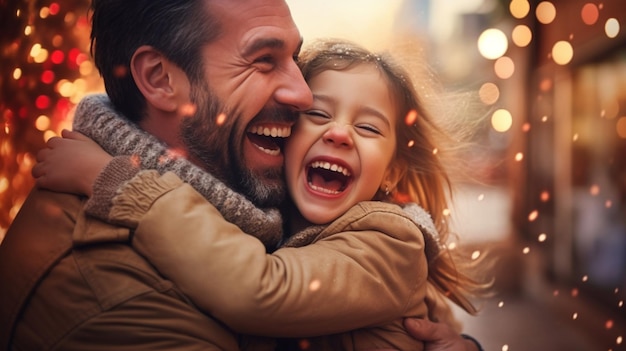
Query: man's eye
x: 265, y: 63
x: 264, y: 59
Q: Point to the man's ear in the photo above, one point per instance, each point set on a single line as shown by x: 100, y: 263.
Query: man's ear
x: 162, y: 83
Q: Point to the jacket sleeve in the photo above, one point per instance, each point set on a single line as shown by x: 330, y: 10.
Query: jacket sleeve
x: 352, y: 279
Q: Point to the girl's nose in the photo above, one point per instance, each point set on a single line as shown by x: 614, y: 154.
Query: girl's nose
x: 339, y: 135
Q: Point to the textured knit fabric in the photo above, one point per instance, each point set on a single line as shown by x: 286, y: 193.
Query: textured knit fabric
x: 96, y: 118
x: 119, y: 171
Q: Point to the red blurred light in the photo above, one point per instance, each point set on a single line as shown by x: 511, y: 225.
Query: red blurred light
x: 73, y: 54
x: 57, y: 57
x: 80, y: 58
x: 42, y: 102
x: 8, y: 115
x: 54, y: 8
x: 72, y: 57
x: 23, y: 112
x: 63, y: 105
x: 83, y: 22
x: 47, y: 77
x: 590, y: 14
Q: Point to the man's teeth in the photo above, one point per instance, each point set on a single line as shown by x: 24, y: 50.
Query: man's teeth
x: 331, y: 167
x: 282, y: 132
x: 269, y: 151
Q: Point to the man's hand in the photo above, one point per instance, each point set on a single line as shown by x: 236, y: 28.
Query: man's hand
x: 438, y: 336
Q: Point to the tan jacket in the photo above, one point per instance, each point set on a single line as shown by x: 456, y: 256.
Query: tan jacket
x: 92, y: 297
x: 364, y: 272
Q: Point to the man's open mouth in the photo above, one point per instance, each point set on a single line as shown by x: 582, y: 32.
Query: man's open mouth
x: 328, y: 177
x: 269, y: 139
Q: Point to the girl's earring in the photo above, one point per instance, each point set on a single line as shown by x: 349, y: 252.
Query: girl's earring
x: 387, y: 189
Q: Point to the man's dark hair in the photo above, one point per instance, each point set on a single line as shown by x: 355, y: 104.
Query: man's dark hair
x: 176, y: 28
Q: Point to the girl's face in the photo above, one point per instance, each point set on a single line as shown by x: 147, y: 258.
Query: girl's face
x: 340, y: 149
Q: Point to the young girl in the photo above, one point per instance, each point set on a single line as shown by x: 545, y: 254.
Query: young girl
x: 363, y: 255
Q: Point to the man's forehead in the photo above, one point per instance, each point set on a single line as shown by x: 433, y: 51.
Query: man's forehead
x: 255, y: 25
x: 243, y: 11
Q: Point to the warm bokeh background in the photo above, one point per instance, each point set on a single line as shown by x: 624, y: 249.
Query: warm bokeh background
x: 543, y: 99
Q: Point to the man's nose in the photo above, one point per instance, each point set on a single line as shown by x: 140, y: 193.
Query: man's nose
x: 294, y: 91
x: 339, y: 135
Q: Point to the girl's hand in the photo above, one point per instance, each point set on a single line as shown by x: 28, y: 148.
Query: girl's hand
x: 70, y: 164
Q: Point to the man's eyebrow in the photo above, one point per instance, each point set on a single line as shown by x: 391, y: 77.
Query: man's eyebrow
x: 263, y: 43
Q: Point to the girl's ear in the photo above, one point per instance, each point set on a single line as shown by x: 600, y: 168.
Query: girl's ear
x: 161, y: 82
x: 392, y: 177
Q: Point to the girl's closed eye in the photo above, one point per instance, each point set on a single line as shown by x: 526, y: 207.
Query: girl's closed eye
x: 369, y: 129
x: 317, y: 116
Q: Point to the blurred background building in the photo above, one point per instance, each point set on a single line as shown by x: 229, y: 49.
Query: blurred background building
x: 539, y: 88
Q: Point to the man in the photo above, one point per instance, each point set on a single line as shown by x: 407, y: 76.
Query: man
x: 212, y: 80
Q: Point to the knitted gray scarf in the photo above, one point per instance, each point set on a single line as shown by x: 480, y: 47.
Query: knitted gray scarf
x: 96, y: 118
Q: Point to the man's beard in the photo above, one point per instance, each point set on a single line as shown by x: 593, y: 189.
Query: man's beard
x: 218, y: 149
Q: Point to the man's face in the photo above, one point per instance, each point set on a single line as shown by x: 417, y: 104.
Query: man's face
x: 255, y: 90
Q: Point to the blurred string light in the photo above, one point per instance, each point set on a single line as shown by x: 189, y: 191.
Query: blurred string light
x: 562, y: 52
x: 521, y: 35
x: 489, y: 93
x: 545, y: 12
x: 501, y: 120
x: 492, y: 43
x: 45, y: 71
x: 519, y: 8
x: 612, y: 28
x: 504, y: 67
x: 590, y: 14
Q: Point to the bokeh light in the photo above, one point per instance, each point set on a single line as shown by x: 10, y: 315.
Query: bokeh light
x: 590, y: 13
x: 489, y: 93
x: 521, y: 35
x: 562, y: 52
x: 17, y: 73
x: 612, y: 28
x: 501, y: 120
x: 504, y: 67
x: 492, y: 43
x: 42, y: 123
x: 611, y: 110
x: 545, y: 85
x: 519, y: 8
x: 410, y: 118
x: 545, y: 12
